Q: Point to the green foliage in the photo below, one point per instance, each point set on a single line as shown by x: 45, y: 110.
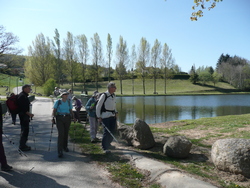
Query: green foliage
x: 194, y: 78
x: 49, y: 86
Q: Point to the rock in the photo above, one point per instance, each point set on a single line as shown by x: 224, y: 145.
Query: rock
x: 126, y: 133
x: 177, y: 147
x: 232, y: 155
x: 143, y: 137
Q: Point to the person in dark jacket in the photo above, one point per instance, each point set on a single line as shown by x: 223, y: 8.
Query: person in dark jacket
x: 24, y: 116
x: 3, y: 160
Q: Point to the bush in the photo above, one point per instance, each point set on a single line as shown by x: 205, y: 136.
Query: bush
x: 49, y: 86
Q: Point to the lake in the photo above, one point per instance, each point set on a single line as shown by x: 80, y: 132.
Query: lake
x: 158, y: 109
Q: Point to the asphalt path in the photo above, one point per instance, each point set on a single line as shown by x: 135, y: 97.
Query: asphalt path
x: 41, y: 166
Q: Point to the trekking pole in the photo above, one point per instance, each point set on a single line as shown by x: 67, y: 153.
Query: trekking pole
x: 53, y: 122
x: 34, y: 136
x: 109, y: 132
x: 18, y: 150
x: 74, y: 136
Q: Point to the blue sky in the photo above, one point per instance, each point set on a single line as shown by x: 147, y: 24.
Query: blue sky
x: 224, y: 29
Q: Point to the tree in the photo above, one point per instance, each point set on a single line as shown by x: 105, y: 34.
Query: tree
x: 121, y: 59
x: 166, y: 61
x: 132, y: 64
x: 83, y: 54
x: 193, y: 75
x: 109, y: 54
x: 70, y: 57
x: 38, y: 67
x: 57, y: 53
x: 202, y: 4
x: 155, y: 58
x: 143, y: 58
x: 97, y: 56
x: 7, y: 42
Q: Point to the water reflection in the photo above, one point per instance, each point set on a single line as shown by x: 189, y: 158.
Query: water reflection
x: 157, y: 109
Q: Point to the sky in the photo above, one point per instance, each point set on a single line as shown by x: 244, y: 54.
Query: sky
x: 224, y: 29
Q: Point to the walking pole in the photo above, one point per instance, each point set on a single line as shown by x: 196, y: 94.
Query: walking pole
x: 18, y: 150
x: 74, y: 136
x: 109, y: 132
x: 53, y: 122
x: 34, y: 136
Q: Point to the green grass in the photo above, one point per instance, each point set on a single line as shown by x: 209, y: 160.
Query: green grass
x: 119, y: 167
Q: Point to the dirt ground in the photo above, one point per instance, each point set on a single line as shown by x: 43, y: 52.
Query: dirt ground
x: 201, y: 154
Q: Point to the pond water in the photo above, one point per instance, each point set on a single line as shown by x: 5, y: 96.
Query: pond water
x: 158, y: 109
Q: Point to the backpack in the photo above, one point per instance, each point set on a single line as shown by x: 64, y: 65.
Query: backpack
x: 12, y: 104
x: 60, y: 102
x: 103, y: 109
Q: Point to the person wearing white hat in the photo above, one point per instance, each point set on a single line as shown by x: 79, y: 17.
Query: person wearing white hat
x: 63, y: 113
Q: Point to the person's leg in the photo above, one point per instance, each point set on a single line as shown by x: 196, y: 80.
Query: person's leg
x: 112, y: 128
x: 24, y: 121
x: 67, y: 122
x: 3, y: 159
x: 78, y: 114
x: 60, y: 129
x: 92, y: 127
x: 106, y: 136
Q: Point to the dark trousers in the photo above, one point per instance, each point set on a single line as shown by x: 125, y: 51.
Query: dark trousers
x: 25, y: 123
x: 77, y: 114
x: 62, y: 124
x: 110, y: 123
x: 3, y: 160
x: 13, y: 116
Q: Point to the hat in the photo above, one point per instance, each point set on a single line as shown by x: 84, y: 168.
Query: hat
x: 96, y: 93
x: 64, y: 93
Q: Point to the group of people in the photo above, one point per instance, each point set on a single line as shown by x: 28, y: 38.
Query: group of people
x: 103, y: 111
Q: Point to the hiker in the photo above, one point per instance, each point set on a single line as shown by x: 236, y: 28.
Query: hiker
x: 91, y: 109
x: 24, y: 116
x: 70, y: 95
x: 78, y: 106
x: 3, y: 160
x: 56, y: 92
x: 63, y: 112
x: 108, y: 115
x: 12, y: 107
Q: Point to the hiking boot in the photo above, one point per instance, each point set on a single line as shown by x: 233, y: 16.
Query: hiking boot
x: 106, y: 151
x: 6, y: 168
x: 111, y: 147
x: 93, y: 140
x: 25, y: 148
x: 97, y: 139
x: 66, y: 149
x: 60, y: 154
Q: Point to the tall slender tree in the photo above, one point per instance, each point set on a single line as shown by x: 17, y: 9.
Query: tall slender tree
x: 109, y: 54
x: 83, y: 55
x: 57, y: 53
x: 166, y: 60
x: 122, y: 60
x: 70, y: 57
x: 155, y: 61
x: 132, y: 64
x: 143, y: 58
x: 97, y: 56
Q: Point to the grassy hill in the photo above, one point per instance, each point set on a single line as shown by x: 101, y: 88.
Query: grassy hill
x: 174, y: 87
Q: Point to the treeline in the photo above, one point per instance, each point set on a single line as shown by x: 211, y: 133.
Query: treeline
x: 233, y: 70
x: 77, y: 59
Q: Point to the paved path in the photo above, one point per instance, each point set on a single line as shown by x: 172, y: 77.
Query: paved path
x: 42, y: 168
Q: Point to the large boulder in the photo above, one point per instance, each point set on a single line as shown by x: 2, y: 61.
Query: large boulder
x: 177, y: 147
x: 143, y: 137
x: 126, y: 132
x: 139, y: 135
x: 232, y: 155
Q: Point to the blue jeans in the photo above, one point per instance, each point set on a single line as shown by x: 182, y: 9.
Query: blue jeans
x: 110, y: 123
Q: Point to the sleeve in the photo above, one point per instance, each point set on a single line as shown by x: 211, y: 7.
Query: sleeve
x: 99, y: 105
x: 55, y: 104
x: 87, y: 106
